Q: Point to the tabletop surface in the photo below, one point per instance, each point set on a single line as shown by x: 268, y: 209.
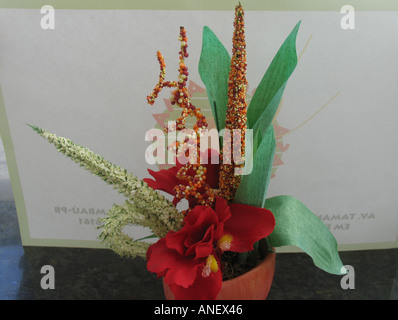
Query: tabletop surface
x: 87, y: 274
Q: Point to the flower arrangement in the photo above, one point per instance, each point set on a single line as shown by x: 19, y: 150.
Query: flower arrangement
x: 229, y: 225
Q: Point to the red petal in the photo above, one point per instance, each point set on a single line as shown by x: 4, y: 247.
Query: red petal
x: 168, y: 263
x: 203, y: 247
x: 175, y: 240
x: 200, y: 224
x: 165, y: 179
x: 223, y: 213
x: 247, y: 225
x: 204, y: 288
x: 201, y: 215
x: 176, y: 201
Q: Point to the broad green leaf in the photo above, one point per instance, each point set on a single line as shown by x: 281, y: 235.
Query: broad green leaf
x: 265, y: 120
x: 262, y: 108
x: 253, y: 187
x: 268, y: 94
x: 297, y: 226
x: 214, y: 66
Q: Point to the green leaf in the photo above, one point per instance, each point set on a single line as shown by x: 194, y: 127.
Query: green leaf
x: 214, y: 66
x: 151, y: 236
x: 296, y: 225
x: 265, y: 121
x: 253, y: 187
x: 262, y: 109
x: 268, y: 94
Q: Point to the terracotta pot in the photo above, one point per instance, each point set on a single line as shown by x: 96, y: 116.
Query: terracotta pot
x: 253, y: 285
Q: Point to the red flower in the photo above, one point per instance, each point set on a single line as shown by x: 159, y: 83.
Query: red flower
x: 166, y: 180
x: 189, y: 259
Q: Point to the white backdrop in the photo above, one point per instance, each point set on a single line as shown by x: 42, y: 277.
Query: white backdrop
x: 88, y: 79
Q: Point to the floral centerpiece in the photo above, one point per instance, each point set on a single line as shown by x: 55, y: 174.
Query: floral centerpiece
x: 229, y: 226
